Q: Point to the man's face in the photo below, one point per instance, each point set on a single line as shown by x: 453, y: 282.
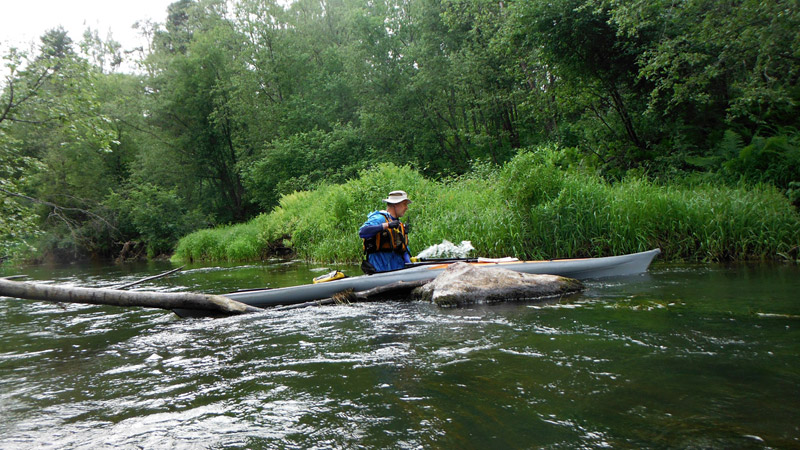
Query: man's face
x: 400, y: 209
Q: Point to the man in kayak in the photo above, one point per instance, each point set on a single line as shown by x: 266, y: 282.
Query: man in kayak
x: 385, y: 237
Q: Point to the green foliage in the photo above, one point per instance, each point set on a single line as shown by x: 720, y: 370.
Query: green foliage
x: 322, y: 223
x: 531, y: 180
x: 157, y: 216
x: 53, y: 138
x: 738, y: 56
x: 17, y: 220
x: 702, y: 223
x: 240, y: 242
x: 774, y: 160
x: 304, y: 161
x: 17, y: 227
x: 192, y: 84
x: 473, y: 209
x: 583, y: 215
x: 793, y: 193
x: 242, y: 105
x: 528, y: 208
x: 592, y: 77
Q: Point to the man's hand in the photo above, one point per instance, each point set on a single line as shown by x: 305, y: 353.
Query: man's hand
x: 394, y: 224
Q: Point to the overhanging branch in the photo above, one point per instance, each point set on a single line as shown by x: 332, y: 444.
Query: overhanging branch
x: 58, y: 209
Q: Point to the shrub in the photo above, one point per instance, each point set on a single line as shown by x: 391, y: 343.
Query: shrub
x: 528, y: 208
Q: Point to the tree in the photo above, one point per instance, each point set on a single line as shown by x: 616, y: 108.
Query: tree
x: 48, y: 115
x: 191, y: 103
x: 741, y: 57
x: 595, y: 70
x: 106, y: 54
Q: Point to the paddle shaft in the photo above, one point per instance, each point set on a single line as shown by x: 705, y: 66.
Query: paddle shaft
x: 430, y: 261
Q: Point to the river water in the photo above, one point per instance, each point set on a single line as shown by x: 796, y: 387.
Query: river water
x: 700, y: 356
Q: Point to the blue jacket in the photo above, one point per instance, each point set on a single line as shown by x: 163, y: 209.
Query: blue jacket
x: 382, y: 261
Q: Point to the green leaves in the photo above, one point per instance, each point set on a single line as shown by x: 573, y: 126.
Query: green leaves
x: 158, y: 216
x: 775, y: 160
x: 53, y: 137
x: 740, y: 56
x: 248, y: 101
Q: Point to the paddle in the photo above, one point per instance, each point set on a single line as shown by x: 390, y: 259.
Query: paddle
x: 430, y: 261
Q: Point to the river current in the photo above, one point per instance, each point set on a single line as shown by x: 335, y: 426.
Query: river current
x: 685, y: 356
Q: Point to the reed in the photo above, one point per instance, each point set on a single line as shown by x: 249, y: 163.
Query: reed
x: 705, y: 222
x: 240, y: 242
x: 528, y: 208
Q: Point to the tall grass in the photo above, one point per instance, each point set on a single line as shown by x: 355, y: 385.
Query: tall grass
x: 528, y: 208
x: 241, y: 242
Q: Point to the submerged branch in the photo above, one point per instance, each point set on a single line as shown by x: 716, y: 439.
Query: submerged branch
x: 161, y: 275
x: 350, y: 296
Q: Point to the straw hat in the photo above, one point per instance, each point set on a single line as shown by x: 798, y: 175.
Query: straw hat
x: 397, y: 197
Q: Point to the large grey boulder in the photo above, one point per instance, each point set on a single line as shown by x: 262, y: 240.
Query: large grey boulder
x: 462, y: 284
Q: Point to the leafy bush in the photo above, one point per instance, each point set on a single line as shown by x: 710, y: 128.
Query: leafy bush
x: 528, y: 208
x: 227, y: 243
x: 158, y: 216
x: 302, y: 162
x: 773, y: 160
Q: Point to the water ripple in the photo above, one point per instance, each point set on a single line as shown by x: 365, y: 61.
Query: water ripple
x: 629, y: 364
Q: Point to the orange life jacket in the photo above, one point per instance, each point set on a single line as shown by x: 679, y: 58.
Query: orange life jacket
x: 388, y: 240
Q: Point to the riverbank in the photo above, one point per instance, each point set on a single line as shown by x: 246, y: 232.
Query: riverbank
x: 529, y: 208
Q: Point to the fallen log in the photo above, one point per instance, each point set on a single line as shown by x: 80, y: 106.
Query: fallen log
x: 392, y: 289
x: 92, y: 296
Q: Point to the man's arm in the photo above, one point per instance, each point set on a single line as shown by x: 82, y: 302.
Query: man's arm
x: 368, y: 231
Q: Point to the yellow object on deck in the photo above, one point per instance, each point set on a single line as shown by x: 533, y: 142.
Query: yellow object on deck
x: 335, y: 275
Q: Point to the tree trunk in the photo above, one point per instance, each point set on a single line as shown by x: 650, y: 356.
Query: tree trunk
x: 91, y: 296
x: 627, y: 122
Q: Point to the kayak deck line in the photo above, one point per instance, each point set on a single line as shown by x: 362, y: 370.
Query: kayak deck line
x: 477, y: 262
x: 498, y: 263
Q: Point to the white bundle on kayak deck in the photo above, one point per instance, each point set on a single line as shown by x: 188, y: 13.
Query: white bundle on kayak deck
x: 447, y: 250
